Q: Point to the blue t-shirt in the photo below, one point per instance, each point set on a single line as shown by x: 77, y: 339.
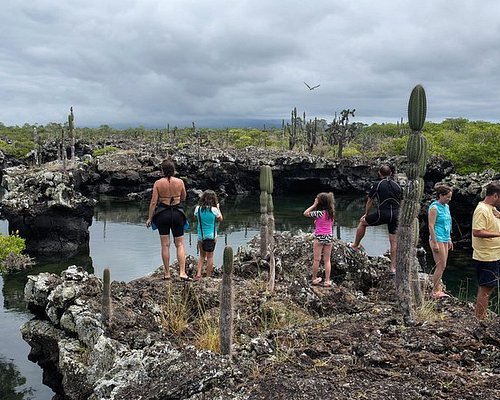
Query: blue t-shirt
x: 442, y: 226
x: 208, y: 221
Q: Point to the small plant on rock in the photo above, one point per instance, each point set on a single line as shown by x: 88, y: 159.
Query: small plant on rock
x: 10, y: 244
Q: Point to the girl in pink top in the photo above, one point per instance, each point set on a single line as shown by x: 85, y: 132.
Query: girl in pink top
x: 323, y: 212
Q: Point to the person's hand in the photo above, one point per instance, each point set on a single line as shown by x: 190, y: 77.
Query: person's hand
x: 362, y: 218
x: 148, y: 223
x: 434, y: 246
x: 450, y: 245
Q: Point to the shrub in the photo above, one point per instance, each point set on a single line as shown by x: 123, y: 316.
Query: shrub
x: 104, y: 150
x: 10, y: 244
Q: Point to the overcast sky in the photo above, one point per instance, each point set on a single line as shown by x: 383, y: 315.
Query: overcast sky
x: 155, y: 62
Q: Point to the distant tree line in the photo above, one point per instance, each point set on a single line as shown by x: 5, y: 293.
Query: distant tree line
x: 472, y: 146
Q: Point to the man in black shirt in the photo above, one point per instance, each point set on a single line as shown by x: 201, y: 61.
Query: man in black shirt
x: 388, y: 195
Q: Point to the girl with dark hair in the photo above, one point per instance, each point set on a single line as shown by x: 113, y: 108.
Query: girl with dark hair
x: 323, y: 212
x: 207, y: 212
x: 166, y: 214
x: 440, y: 236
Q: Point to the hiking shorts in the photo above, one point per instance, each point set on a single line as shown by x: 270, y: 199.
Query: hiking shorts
x: 488, y: 273
x: 384, y: 216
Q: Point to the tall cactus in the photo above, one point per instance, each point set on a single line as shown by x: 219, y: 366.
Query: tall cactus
x: 407, y: 235
x: 263, y: 210
x: 71, y: 128
x: 294, y: 128
x: 226, y: 303
x: 106, y: 297
x: 35, y: 148
x: 270, y: 227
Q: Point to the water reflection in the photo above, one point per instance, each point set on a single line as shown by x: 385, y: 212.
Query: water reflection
x: 10, y: 381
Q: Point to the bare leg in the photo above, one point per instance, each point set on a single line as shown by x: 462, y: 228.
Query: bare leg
x: 327, y: 252
x: 201, y: 260
x: 317, y: 249
x: 440, y: 258
x: 165, y: 254
x: 181, y: 255
x: 483, y: 296
x: 210, y: 263
x: 360, y: 233
x: 392, y: 251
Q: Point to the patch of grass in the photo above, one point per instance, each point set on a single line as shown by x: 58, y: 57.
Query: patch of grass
x: 105, y: 150
x: 175, y: 312
x: 464, y: 290
x: 278, y: 315
x: 207, y: 335
x: 427, y: 312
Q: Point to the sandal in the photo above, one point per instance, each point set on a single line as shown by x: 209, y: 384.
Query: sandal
x: 439, y: 295
x: 316, y: 281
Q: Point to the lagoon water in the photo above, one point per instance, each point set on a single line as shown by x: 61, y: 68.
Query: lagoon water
x: 120, y: 241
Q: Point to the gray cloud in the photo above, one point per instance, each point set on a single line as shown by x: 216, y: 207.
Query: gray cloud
x: 155, y: 62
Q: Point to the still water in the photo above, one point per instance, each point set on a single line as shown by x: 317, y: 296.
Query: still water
x: 120, y: 241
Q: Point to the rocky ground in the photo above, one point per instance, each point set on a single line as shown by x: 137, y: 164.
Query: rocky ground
x: 300, y: 342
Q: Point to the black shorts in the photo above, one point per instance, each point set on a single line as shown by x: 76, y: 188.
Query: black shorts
x: 488, y: 273
x: 384, y: 216
x: 170, y: 218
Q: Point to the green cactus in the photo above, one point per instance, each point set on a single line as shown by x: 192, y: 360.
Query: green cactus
x: 417, y: 108
x: 71, y: 134
x: 416, y: 147
x: 266, y: 210
x: 407, y: 235
x: 266, y: 179
x: 106, y: 297
x: 71, y: 119
x: 226, y: 302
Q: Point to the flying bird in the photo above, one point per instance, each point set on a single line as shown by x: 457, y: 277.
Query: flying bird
x: 311, y: 87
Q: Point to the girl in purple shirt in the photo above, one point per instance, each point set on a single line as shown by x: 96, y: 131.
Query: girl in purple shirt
x: 323, y: 212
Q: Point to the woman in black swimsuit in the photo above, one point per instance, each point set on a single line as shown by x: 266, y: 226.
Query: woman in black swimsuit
x: 166, y: 214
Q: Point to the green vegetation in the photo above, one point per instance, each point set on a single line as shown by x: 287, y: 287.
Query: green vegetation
x: 105, y: 150
x: 472, y: 146
x: 10, y: 244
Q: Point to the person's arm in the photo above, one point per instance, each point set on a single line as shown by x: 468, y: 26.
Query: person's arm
x: 183, y: 191
x: 478, y: 225
x: 152, y: 205
x: 432, y: 224
x: 308, y: 210
x: 483, y: 233
x: 219, y: 216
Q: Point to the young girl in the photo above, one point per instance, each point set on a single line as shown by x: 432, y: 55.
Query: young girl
x: 323, y: 211
x: 207, y: 213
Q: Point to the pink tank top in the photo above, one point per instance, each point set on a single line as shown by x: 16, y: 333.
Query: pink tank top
x: 322, y: 222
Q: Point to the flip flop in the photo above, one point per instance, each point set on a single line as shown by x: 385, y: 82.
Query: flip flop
x: 352, y: 249
x: 439, y: 295
x: 316, y: 281
x: 185, y: 279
